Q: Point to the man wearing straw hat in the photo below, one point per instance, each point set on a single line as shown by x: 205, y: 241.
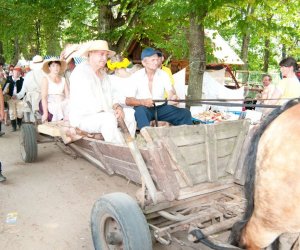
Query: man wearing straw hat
x: 93, y: 108
x: 32, y: 87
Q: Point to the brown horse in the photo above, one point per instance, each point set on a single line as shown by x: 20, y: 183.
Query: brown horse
x: 273, y: 180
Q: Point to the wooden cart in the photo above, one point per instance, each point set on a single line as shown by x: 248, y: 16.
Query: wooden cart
x: 187, y: 175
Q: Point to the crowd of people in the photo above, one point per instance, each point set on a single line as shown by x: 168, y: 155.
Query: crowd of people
x: 95, y: 94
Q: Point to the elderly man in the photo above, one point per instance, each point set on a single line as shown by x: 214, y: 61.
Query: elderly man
x: 93, y: 108
x: 32, y: 87
x: 151, y: 83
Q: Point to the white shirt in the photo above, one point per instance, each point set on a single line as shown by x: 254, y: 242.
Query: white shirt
x: 88, y: 94
x: 161, y: 83
x: 122, y: 87
x: 32, y: 82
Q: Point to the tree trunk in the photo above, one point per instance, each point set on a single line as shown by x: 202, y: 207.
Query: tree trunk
x: 197, y: 58
x: 266, y: 55
x: 38, y: 37
x: 105, y: 19
x: 283, y: 52
x: 16, y: 54
x: 246, y: 42
x: 2, y: 60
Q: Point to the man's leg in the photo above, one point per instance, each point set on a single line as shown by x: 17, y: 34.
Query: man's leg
x: 175, y: 116
x: 2, y: 178
x: 143, y: 116
x: 1, y: 133
x: 12, y: 109
x: 104, y: 123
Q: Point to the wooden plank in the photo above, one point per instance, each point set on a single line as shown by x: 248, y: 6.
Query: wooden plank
x: 193, y: 153
x: 49, y: 129
x: 228, y: 129
x: 181, y: 182
x: 240, y: 173
x: 232, y: 165
x: 126, y: 169
x: 222, y: 165
x: 178, y: 159
x: 204, y: 188
x: 182, y: 135
x: 162, y: 171
x: 225, y: 146
x: 199, y: 171
x: 99, y: 155
x: 211, y: 152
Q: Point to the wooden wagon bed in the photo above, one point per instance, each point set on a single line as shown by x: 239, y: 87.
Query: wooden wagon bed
x: 184, y: 161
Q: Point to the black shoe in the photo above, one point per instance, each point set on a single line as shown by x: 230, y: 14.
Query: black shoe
x: 2, y: 178
x: 14, y: 125
x: 1, y: 133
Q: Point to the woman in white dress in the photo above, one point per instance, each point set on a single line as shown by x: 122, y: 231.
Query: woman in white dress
x: 55, y: 92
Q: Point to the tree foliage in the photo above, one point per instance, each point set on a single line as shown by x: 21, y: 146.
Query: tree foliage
x: 45, y: 26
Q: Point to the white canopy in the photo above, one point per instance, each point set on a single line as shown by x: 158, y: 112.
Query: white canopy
x: 222, y: 51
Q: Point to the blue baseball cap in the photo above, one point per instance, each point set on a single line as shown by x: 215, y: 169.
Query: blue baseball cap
x: 150, y: 52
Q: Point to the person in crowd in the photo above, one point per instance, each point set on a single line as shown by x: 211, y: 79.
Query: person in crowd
x: 120, y: 80
x: 167, y: 70
x: 12, y: 87
x: 2, y: 82
x: 55, y: 91
x: 2, y: 178
x: 68, y: 55
x: 136, y: 67
x: 151, y: 83
x: 26, y: 70
x: 10, y: 70
x: 289, y: 86
x: 93, y: 108
x: 266, y: 95
x: 31, y: 90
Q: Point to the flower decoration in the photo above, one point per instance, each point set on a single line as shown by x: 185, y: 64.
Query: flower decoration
x: 118, y: 65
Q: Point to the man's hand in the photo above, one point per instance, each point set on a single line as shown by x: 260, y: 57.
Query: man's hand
x: 14, y: 97
x: 119, y: 112
x: 44, y: 118
x: 173, y: 98
x: 147, y: 102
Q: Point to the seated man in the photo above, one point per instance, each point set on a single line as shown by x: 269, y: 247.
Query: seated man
x: 93, y: 108
x: 150, y: 84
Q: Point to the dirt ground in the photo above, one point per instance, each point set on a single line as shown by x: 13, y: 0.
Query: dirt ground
x: 47, y: 204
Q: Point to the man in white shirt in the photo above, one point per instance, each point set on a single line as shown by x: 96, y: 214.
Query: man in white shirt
x: 151, y: 84
x: 31, y: 88
x: 93, y: 108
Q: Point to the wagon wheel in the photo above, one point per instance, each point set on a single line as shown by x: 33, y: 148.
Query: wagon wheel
x: 28, y: 143
x: 117, y: 222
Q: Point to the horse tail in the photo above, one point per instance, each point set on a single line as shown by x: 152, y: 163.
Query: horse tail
x: 250, y: 162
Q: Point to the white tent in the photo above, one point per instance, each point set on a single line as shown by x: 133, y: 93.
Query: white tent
x: 222, y: 51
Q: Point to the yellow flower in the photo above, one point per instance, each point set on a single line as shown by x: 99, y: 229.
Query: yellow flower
x: 118, y: 65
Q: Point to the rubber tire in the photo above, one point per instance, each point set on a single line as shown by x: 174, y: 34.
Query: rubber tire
x: 29, y: 148
x: 127, y: 213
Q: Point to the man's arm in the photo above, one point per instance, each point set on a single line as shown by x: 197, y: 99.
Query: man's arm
x: 131, y: 101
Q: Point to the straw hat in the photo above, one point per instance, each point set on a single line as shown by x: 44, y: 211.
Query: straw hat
x: 70, y: 52
x: 63, y: 65
x: 36, y: 63
x: 95, y: 45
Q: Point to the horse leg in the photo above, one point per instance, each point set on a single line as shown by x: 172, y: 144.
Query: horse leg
x: 256, y: 236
